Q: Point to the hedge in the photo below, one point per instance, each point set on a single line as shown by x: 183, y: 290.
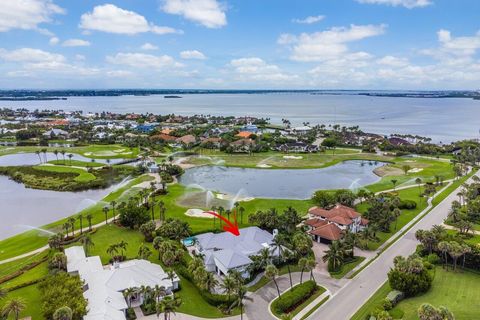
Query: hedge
x: 289, y: 300
x: 24, y: 269
x: 407, y: 204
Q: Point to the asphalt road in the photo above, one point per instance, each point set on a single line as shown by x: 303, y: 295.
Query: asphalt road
x: 345, y: 302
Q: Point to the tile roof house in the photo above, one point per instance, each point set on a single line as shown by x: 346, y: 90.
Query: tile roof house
x: 223, y: 252
x: 329, y: 225
x: 104, y: 286
x: 188, y: 139
x: 244, y: 134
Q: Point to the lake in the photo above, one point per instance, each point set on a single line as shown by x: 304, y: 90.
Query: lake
x: 30, y: 159
x: 446, y: 119
x: 22, y: 208
x: 282, y: 183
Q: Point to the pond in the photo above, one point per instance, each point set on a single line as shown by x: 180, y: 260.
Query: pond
x: 282, y: 183
x: 23, y: 209
x: 29, y: 159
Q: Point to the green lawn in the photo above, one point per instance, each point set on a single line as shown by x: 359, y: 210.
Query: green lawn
x: 36, y: 273
x: 347, y: 267
x: 94, y: 151
x: 76, y: 163
x: 31, y: 296
x: 31, y: 240
x: 82, y: 175
x: 458, y: 291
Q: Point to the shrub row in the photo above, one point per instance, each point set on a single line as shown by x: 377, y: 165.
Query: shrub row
x: 24, y: 269
x: 407, y: 204
x: 289, y: 300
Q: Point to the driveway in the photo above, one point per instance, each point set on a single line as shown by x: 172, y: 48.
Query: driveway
x: 346, y: 301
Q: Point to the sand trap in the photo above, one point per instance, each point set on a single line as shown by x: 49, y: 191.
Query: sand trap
x: 293, y: 157
x: 198, y: 213
x: 263, y: 165
x: 223, y: 196
x: 415, y: 170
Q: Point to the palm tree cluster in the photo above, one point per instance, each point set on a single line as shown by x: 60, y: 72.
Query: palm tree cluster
x: 383, y: 211
x: 465, y: 212
x: 117, y: 251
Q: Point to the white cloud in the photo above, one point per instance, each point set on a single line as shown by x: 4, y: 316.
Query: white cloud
x: 192, y: 54
x: 54, y: 41
x: 112, y: 19
x: 30, y: 55
x: 329, y: 44
x: 393, y: 61
x: 458, y: 46
x: 76, y: 43
x: 258, y: 70
x: 410, y: 4
x: 141, y: 60
x: 26, y: 14
x: 208, y: 13
x: 309, y: 20
x: 149, y: 46
x: 34, y: 61
x: 119, y: 73
x: 80, y: 57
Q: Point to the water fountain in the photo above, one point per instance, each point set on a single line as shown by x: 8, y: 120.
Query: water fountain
x: 209, y: 197
x: 27, y: 227
x: 355, y: 186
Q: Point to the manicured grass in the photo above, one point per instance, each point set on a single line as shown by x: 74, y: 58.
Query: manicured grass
x: 82, y: 175
x: 76, y: 163
x: 276, y: 160
x: 281, y: 271
x: 94, y: 151
x: 347, y: 267
x: 11, y: 267
x: 315, y: 308
x: 31, y: 240
x: 36, y: 273
x: 458, y: 291
x: 32, y: 299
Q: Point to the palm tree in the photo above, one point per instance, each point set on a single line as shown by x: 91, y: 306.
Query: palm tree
x: 162, y: 209
x: 278, y: 244
x: 465, y: 249
x: 13, y: 307
x: 80, y: 218
x: 3, y: 293
x: 144, y: 252
x: 271, y: 272
x: 455, y: 250
x: 122, y: 245
x: 87, y: 243
x: 240, y: 297
x: 394, y: 182
x: 63, y: 155
x: 310, y: 266
x: 112, y: 250
x: 113, y: 204
x: 167, y: 306
x: 66, y: 227
x: 334, y: 255
x: 55, y: 152
x: 159, y: 292
x: 44, y: 151
x: 63, y: 313
x: 128, y: 296
x: 72, y: 225
x: 70, y: 156
x: 105, y: 212
x: 443, y: 247
x: 418, y: 181
x: 396, y: 213
x: 229, y: 285
x: 38, y: 154
x: 152, y: 206
x: 89, y: 219
x: 210, y: 282
x: 302, y: 264
x: 241, y: 210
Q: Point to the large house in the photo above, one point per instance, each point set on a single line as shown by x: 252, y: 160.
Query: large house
x: 104, y: 285
x: 326, y: 226
x: 224, y: 251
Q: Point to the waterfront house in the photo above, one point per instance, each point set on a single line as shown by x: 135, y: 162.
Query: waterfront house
x: 250, y: 128
x: 104, y: 285
x: 297, y: 147
x: 244, y: 134
x: 187, y: 140
x: 56, y: 134
x: 224, y: 251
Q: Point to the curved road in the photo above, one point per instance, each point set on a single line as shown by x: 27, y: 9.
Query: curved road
x: 344, y: 303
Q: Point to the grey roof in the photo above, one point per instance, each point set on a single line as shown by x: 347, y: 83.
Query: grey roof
x: 234, y: 251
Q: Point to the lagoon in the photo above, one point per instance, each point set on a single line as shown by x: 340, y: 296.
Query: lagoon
x: 282, y: 183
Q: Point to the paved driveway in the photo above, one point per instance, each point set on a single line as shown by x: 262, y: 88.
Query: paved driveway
x: 356, y: 292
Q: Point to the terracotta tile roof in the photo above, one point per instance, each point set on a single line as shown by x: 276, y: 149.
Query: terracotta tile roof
x: 316, y: 223
x: 341, y: 220
x: 329, y: 231
x: 346, y: 211
x: 243, y: 142
x: 187, y: 139
x: 317, y: 211
x: 167, y: 131
x: 244, y: 134
x: 338, y: 211
x: 364, y: 222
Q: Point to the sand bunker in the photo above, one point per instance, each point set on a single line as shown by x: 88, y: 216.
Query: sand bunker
x: 223, y: 196
x: 198, y: 213
x: 293, y: 157
x: 415, y: 170
x: 263, y: 165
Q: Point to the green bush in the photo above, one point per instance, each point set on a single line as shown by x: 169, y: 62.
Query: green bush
x: 387, y: 304
x: 433, y: 258
x: 289, y: 300
x: 407, y: 204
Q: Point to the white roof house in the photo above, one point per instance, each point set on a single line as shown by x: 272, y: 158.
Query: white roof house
x: 224, y: 251
x: 104, y: 286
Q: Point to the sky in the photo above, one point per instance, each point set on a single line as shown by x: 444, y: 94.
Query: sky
x: 240, y: 44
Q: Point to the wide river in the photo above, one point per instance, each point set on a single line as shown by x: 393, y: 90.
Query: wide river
x: 441, y: 119
x: 282, y: 183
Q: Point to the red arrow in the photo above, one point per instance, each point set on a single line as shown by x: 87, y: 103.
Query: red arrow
x: 230, y: 227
